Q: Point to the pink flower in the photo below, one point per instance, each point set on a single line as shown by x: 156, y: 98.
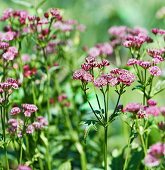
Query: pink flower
x: 82, y: 75
x: 100, y: 82
x: 105, y: 48
x: 94, y: 52
x: 118, y: 31
x: 23, y: 167
x: 151, y: 102
x: 27, y: 113
x: 155, y: 153
x: 144, y: 64
x: 151, y: 161
x: 132, y: 61
x: 30, y: 129
x: 155, y: 71
x: 56, y: 13
x: 132, y: 107
x: 30, y: 107
x: 158, y: 31
x: 8, y: 56
x: 4, y: 45
x: 15, y: 111
x: 152, y: 110
x: 154, y: 52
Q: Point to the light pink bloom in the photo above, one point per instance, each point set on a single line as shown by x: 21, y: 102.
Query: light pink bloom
x: 15, y: 111
x: 132, y: 107
x: 155, y: 71
x: 152, y: 110
x: 30, y: 129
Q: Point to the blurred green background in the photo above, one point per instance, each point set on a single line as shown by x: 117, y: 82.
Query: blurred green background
x: 99, y: 15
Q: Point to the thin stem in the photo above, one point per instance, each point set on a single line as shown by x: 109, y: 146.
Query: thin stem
x: 92, y: 107
x: 105, y: 147
x: 20, y: 156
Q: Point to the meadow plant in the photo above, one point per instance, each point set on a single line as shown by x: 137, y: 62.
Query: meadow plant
x: 42, y: 105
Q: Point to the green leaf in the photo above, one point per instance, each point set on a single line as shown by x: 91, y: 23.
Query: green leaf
x: 88, y: 128
x: 136, y: 158
x: 65, y: 166
x: 138, y: 87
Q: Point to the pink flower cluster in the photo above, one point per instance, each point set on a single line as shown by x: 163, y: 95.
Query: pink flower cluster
x: 100, y: 49
x: 155, y: 155
x: 153, y: 70
x: 28, y: 109
x: 18, y: 126
x: 115, y: 77
x: 158, y: 31
x: 10, y: 53
x: 68, y: 26
x: 144, y: 111
x: 130, y: 38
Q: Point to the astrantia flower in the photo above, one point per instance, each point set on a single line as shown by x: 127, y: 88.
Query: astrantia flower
x: 132, y: 61
x: 155, y: 71
x: 15, y: 111
x: 151, y: 102
x: 154, y: 52
x: 8, y: 56
x: 30, y: 129
x: 132, y: 107
x: 155, y: 155
x: 105, y: 48
x: 82, y: 75
x: 144, y: 64
x: 118, y: 31
x: 94, y: 52
x: 158, y: 31
x: 152, y: 110
x: 100, y: 81
x: 30, y: 107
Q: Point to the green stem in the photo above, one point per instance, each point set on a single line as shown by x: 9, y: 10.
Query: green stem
x: 20, y: 156
x: 105, y: 147
x: 127, y: 155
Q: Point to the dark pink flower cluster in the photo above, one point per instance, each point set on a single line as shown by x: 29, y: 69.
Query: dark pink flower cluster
x: 158, y: 31
x: 19, y: 14
x: 153, y: 70
x: 155, y: 155
x: 139, y: 110
x: 82, y: 75
x: 136, y: 41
